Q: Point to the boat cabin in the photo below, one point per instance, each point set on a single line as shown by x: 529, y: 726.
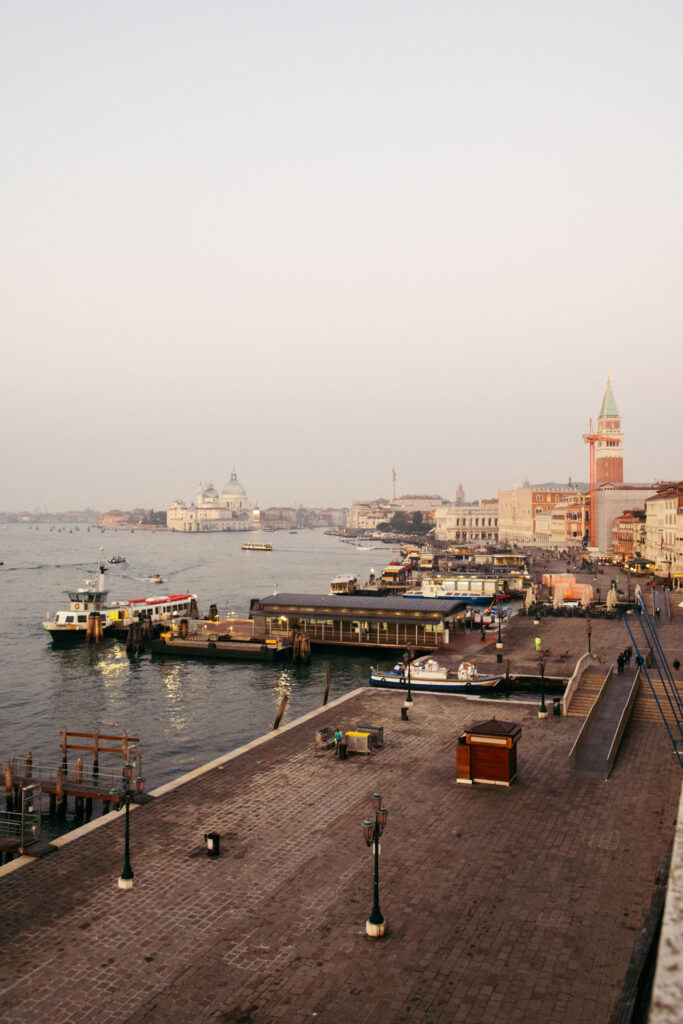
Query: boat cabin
x: 346, y: 583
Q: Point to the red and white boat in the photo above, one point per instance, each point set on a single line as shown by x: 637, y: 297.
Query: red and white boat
x: 70, y: 625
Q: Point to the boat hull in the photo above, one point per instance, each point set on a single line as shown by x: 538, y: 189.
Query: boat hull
x: 394, y: 681
x: 72, y: 637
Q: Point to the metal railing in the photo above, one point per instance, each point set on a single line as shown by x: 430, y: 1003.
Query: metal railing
x: 45, y: 775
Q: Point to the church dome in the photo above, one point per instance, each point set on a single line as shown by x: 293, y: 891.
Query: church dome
x: 210, y: 492
x: 233, y: 487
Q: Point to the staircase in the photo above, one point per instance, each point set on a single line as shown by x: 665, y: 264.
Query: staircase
x: 645, y: 708
x: 586, y: 693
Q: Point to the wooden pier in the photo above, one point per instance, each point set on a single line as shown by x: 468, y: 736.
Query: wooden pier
x: 85, y: 783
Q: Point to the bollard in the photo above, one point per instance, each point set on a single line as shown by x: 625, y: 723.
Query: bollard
x: 213, y: 843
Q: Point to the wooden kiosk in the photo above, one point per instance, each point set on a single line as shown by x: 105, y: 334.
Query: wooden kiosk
x: 487, y: 752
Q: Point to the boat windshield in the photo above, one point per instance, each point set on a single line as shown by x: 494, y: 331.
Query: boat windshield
x: 86, y: 595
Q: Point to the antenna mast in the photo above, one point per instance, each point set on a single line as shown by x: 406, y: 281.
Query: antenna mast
x: 393, y: 476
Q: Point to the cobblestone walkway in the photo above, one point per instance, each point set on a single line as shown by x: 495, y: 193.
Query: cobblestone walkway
x: 521, y: 904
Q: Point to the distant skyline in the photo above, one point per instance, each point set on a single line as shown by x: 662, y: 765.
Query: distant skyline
x: 316, y: 241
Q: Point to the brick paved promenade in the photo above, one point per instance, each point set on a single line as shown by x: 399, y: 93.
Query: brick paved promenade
x: 506, y: 905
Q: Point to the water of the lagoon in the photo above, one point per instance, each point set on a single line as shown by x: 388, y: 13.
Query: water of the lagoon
x: 185, y: 712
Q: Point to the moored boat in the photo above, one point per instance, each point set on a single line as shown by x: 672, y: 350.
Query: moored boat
x: 428, y: 675
x: 92, y: 615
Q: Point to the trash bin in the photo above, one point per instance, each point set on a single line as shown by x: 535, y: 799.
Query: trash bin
x: 213, y: 843
x: 557, y: 705
x: 341, y: 751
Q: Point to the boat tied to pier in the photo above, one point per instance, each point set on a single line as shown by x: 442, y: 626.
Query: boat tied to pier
x: 427, y: 674
x: 91, y: 615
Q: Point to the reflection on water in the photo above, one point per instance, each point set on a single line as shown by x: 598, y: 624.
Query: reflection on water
x: 113, y: 664
x: 282, y: 688
x: 187, y: 712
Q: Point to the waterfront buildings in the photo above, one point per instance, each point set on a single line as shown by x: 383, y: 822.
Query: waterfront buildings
x: 475, y: 524
x: 628, y: 535
x: 368, y: 515
x: 214, y: 512
x: 519, y: 508
x: 662, y: 527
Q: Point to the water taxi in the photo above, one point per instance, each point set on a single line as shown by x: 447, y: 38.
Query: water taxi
x: 92, y: 614
x: 257, y: 547
x: 428, y: 675
x: 116, y: 560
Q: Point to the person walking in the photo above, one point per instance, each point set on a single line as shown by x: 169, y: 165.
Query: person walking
x: 537, y: 642
x: 620, y: 664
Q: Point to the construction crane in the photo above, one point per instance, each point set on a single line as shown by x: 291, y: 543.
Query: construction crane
x: 590, y: 438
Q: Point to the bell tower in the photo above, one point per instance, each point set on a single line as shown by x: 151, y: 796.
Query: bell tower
x: 609, y: 447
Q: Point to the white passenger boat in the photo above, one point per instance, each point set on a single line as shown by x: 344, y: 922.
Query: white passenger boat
x: 426, y: 674
x: 70, y: 625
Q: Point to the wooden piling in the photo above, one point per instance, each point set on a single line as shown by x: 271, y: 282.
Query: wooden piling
x: 79, y: 778
x: 28, y: 768
x: 327, y: 686
x: 9, y: 802
x: 281, y: 711
x: 60, y: 795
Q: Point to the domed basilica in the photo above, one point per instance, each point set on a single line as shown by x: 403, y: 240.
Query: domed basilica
x: 214, y: 512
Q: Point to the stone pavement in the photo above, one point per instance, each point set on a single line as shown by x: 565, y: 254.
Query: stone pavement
x: 509, y: 905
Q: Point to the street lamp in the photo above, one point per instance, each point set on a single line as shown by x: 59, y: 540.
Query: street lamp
x: 542, y: 713
x: 126, y: 877
x: 589, y: 630
x: 406, y: 667
x: 375, y: 924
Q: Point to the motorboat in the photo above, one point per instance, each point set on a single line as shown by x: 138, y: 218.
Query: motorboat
x: 116, y: 560
x: 427, y: 674
x: 156, y: 578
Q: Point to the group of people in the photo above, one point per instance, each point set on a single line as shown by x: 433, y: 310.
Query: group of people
x: 624, y: 659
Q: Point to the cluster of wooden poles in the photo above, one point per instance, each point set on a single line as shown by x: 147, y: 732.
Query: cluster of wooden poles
x: 301, y: 646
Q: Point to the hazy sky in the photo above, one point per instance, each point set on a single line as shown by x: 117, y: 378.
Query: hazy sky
x: 315, y: 240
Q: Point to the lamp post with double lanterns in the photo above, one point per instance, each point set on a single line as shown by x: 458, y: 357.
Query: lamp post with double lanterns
x: 406, y: 666
x: 375, y: 924
x: 124, y: 796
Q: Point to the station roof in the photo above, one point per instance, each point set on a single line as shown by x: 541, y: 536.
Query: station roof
x: 343, y: 602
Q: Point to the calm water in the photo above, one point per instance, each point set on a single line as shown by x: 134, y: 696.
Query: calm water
x: 185, y: 712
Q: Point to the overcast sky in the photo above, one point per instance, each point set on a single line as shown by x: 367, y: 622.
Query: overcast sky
x: 312, y: 240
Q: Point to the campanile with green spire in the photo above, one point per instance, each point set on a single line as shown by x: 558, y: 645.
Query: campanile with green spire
x: 609, y: 450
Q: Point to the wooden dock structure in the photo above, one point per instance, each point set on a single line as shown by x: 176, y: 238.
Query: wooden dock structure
x: 85, y: 783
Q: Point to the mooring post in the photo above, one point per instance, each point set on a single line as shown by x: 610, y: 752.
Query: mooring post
x: 63, y: 740
x: 327, y: 685
x: 79, y: 779
x: 96, y: 755
x: 281, y: 711
x: 9, y: 802
x: 60, y: 794
x: 28, y: 771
